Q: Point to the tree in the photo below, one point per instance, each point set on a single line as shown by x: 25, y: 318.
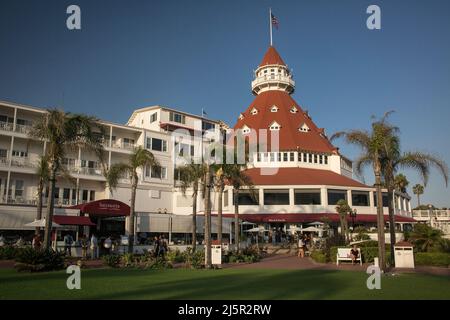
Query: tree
x: 63, y: 131
x: 207, y: 210
x: 418, y: 190
x: 237, y: 177
x: 394, y: 159
x: 43, y: 173
x: 219, y: 182
x: 401, y: 183
x: 138, y: 161
x: 190, y: 177
x: 426, y: 237
x: 372, y: 146
x: 343, y: 209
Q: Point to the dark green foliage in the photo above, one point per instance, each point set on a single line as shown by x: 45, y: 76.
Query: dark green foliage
x: 112, y: 260
x: 29, y: 259
x: 9, y: 252
x: 319, y: 256
x: 432, y: 259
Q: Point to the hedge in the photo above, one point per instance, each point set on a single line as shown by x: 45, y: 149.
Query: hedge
x: 368, y: 254
x: 318, y: 256
x: 432, y: 259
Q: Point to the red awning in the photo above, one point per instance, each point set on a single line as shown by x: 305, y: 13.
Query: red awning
x: 73, y: 221
x: 104, y: 208
x: 310, y: 217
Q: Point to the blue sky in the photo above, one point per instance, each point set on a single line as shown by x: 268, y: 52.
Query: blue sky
x: 194, y: 54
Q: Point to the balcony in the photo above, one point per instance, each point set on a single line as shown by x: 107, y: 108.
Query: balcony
x: 8, y: 126
x: 17, y: 200
x: 120, y: 146
x: 285, y: 81
x: 17, y: 162
x: 23, y: 128
x: 434, y: 214
x: 85, y: 171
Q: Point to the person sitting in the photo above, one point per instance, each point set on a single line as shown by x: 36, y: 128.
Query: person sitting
x: 354, y: 254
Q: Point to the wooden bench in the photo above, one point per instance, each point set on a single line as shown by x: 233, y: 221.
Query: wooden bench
x: 343, y: 254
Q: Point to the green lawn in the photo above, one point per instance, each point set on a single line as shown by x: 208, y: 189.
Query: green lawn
x: 220, y: 284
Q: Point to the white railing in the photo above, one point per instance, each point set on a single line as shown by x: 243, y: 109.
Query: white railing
x: 23, y: 128
x: 6, y: 126
x: 434, y: 213
x: 85, y: 170
x: 125, y: 146
x: 22, y: 162
x: 274, y: 78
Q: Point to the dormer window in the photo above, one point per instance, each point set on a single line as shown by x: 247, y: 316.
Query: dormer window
x: 254, y: 111
x: 274, y: 109
x: 241, y: 116
x: 245, y: 130
x: 303, y: 128
x: 274, y: 126
x: 293, y: 109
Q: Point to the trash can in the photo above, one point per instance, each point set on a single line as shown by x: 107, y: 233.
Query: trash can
x: 404, y: 255
x: 216, y: 254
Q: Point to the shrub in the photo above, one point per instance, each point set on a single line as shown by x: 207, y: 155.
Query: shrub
x: 127, y: 260
x: 112, y: 260
x: 9, y: 252
x: 29, y: 259
x: 195, y: 260
x: 319, y: 256
x: 432, y: 259
x: 175, y: 256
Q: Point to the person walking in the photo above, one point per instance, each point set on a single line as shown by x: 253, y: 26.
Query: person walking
x: 68, y: 240
x: 94, y: 247
x: 163, y: 247
x: 156, y: 245
x: 301, y: 247
x: 108, y: 244
x: 84, y: 247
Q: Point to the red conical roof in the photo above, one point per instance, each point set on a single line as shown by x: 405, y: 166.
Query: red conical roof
x: 290, y: 138
x: 272, y: 57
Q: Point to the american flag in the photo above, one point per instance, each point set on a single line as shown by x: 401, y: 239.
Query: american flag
x: 274, y: 21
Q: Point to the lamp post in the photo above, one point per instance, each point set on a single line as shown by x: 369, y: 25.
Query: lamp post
x: 353, y: 216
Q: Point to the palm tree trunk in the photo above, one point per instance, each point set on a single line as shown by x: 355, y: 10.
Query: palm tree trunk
x: 219, y: 215
x: 208, y: 218
x: 380, y: 218
x: 131, y: 235
x: 391, y: 223
x: 236, y: 218
x: 39, y: 204
x: 50, y: 209
x: 194, y: 216
x: 418, y: 200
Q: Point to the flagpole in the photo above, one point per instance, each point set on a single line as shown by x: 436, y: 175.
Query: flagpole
x: 270, y: 25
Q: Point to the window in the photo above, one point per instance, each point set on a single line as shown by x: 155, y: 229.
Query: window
x: 360, y: 198
x: 208, y: 126
x: 153, y: 117
x: 384, y: 197
x: 159, y: 173
x: 74, y: 194
x: 335, y: 195
x: 66, y: 194
x: 279, y: 156
x: 254, y: 111
x: 291, y: 156
x: 225, y: 198
x: 156, y: 144
x: 325, y: 159
x: 310, y: 158
x: 84, y: 196
x: 68, y: 162
x: 305, y: 157
x: 303, y: 128
x: 92, y: 195
x: 285, y: 156
x: 274, y: 126
x: 276, y: 196
x: 246, y: 198
x: 307, y: 196
x: 315, y: 158
x: 245, y: 130
x: 20, y: 154
x: 320, y: 159
x: 177, y: 117
x: 293, y: 109
x: 274, y: 109
x: 56, y: 193
x: 3, y: 153
x: 19, y: 189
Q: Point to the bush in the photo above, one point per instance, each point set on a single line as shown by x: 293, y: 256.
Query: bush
x: 9, y: 252
x: 319, y: 256
x: 175, y: 256
x: 29, y: 259
x: 194, y: 260
x: 432, y: 259
x: 112, y: 260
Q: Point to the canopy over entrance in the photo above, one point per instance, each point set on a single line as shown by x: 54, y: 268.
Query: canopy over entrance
x: 104, y: 208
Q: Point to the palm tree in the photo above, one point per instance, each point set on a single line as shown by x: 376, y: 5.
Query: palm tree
x: 401, y: 183
x: 418, y: 189
x: 393, y: 160
x: 237, y: 177
x: 43, y: 173
x: 139, y: 160
x: 63, y: 131
x: 219, y: 182
x: 372, y: 146
x: 343, y: 209
x: 207, y: 210
x: 190, y: 177
x: 425, y: 237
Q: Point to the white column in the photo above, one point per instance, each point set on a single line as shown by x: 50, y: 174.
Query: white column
x: 349, y: 198
x: 291, y: 197
x: 324, y: 196
x: 261, y: 197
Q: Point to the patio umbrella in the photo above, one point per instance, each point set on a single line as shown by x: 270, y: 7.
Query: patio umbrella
x: 312, y: 229
x: 41, y: 224
x: 316, y: 223
x: 294, y: 229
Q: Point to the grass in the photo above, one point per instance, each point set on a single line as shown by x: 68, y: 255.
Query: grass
x: 219, y: 284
